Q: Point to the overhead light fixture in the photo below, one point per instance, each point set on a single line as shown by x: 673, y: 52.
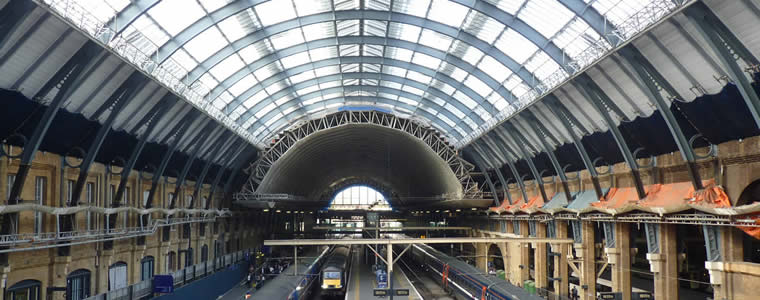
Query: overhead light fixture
x: 279, y: 211
x: 459, y: 210
x: 266, y: 210
x: 474, y: 208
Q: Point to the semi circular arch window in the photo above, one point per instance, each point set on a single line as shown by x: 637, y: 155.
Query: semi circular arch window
x: 359, y: 197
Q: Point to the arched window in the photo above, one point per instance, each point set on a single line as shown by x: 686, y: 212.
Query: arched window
x: 117, y: 276
x: 24, y: 290
x: 147, y: 268
x: 359, y: 197
x: 204, y: 253
x: 78, y: 285
x: 188, y: 257
x: 171, y: 261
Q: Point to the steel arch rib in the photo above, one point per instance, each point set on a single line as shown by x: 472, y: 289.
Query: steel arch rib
x: 174, y: 44
x: 261, y: 166
x: 359, y: 75
x: 456, y: 61
x: 350, y: 88
x: 364, y: 60
x: 422, y: 113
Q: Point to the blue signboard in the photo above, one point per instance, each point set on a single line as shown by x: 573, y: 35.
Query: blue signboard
x: 163, y: 284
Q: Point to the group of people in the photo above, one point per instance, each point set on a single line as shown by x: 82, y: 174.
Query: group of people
x: 268, y: 269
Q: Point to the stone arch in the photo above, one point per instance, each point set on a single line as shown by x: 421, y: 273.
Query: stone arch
x: 496, y: 256
x: 750, y: 194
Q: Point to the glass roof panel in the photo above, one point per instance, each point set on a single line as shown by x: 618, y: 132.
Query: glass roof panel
x: 146, y: 34
x: 165, y: 14
x: 318, y: 31
x: 305, y: 8
x: 275, y: 11
x: 295, y: 60
x: 435, y: 40
x: 242, y: 85
x: 206, y: 44
x: 515, y: 45
x: 255, y: 51
x: 447, y: 12
x: 286, y: 39
x: 227, y: 67
x: 240, y: 25
x: 509, y: 6
x: 413, y: 7
x: 482, y: 26
x: 487, y: 41
x: 546, y: 16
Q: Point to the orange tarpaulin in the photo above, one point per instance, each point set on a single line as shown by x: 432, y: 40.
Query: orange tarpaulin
x: 619, y: 197
x: 536, y: 201
x: 505, y: 204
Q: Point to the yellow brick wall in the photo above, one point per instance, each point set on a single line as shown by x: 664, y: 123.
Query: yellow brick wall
x: 51, y: 270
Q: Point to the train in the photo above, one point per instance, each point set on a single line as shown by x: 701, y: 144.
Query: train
x: 462, y: 278
x: 336, y: 270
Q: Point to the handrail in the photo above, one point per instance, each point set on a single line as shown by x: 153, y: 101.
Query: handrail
x: 181, y: 277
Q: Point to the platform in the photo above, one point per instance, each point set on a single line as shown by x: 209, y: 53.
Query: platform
x: 362, y: 281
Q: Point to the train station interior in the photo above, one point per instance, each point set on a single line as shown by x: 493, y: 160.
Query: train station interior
x: 379, y: 149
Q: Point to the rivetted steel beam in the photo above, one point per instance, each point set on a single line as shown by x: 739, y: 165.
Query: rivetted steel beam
x: 197, y: 142
x: 491, y: 144
x: 515, y: 173
x: 353, y: 88
x: 653, y: 80
x: 357, y: 75
x: 489, y: 158
x: 238, y: 170
x: 557, y: 54
x: 479, y: 161
x: 178, y: 134
x: 561, y: 113
x: 320, y: 106
x: 12, y: 15
x: 520, y: 141
x: 594, y: 96
x: 504, y: 185
x: 726, y: 47
x: 498, y: 153
x: 210, y: 161
x: 151, y: 119
x: 336, y: 41
x: 116, y: 102
x: 253, y: 90
x: 66, y: 76
x: 232, y: 153
x: 542, y: 133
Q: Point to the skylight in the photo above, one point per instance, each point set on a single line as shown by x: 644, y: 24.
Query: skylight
x: 468, y: 65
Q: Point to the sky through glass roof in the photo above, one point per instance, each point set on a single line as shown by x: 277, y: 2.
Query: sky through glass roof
x: 262, y: 67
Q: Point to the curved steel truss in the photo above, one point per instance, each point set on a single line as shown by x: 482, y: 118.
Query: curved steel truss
x: 429, y: 136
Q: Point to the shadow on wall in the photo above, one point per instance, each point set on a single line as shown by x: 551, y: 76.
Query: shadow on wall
x: 209, y: 287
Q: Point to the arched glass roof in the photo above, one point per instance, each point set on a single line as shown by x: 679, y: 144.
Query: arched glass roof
x: 461, y: 66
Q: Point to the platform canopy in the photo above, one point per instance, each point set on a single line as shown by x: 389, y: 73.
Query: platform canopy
x: 461, y: 66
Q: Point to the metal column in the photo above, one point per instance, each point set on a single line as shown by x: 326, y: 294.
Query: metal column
x: 520, y: 143
x: 541, y: 133
x: 602, y: 103
x: 562, y: 115
x: 726, y: 46
x: 648, y: 75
